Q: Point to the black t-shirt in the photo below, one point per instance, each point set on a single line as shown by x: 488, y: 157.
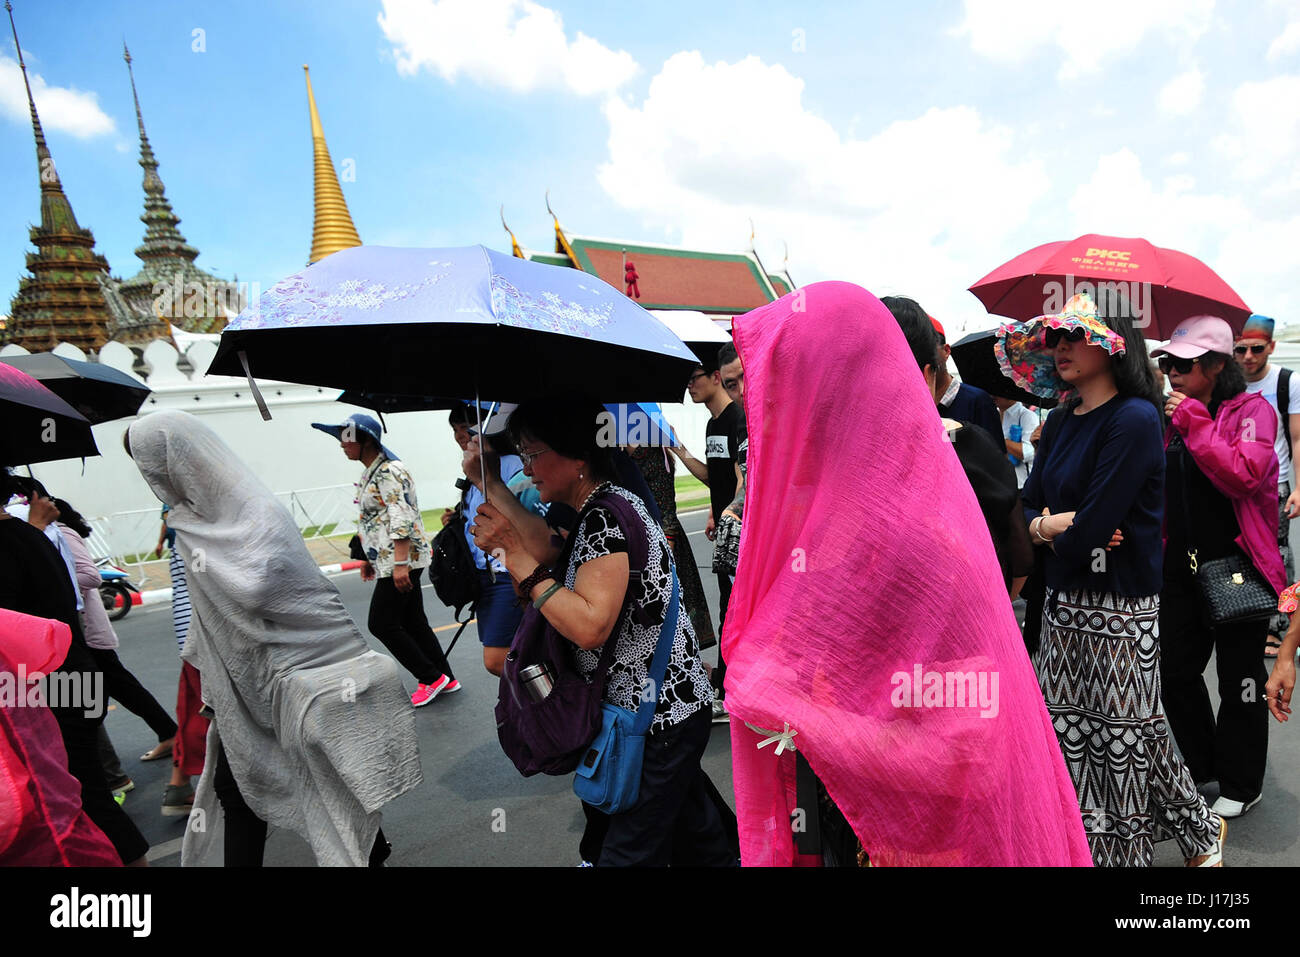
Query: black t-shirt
x: 721, y: 446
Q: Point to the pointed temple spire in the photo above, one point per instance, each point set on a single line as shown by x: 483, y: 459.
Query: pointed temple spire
x: 162, y: 240
x: 333, y: 229
x: 63, y: 298
x: 169, y: 290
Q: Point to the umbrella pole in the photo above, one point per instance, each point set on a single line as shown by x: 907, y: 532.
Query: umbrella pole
x: 482, y: 465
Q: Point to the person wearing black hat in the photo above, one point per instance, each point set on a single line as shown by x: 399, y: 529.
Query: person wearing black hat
x: 397, y: 553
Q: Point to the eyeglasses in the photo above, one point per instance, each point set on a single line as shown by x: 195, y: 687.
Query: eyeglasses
x: 1254, y: 350
x: 1181, y: 366
x: 528, y: 457
x: 1054, y: 336
x: 696, y: 376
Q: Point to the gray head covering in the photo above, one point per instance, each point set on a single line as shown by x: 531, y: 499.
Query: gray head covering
x: 317, y: 729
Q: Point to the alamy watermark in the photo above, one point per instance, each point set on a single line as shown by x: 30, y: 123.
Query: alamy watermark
x: 946, y: 689
x: 191, y: 300
x: 1114, y: 298
x: 72, y: 690
x: 631, y: 426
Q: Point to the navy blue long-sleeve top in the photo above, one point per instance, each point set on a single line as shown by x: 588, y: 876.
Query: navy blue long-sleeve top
x: 972, y: 404
x: 1107, y: 466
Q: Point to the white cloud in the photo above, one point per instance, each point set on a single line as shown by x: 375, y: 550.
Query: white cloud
x: 516, y: 44
x: 1084, y: 37
x: 1287, y: 42
x: 1263, y: 136
x: 1119, y: 200
x: 1182, y: 95
x: 1178, y: 159
x: 1254, y: 254
x: 912, y: 209
x: 62, y: 109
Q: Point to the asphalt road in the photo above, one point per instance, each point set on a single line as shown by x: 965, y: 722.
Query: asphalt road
x: 474, y: 808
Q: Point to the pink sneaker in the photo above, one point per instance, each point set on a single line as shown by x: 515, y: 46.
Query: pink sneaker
x: 453, y: 686
x: 426, y: 693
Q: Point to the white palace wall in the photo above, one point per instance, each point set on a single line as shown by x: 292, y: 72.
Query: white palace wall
x: 305, y: 467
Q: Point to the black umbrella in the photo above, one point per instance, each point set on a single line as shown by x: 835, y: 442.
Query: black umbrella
x: 100, y: 393
x: 978, y: 365
x: 389, y: 403
x: 38, y: 426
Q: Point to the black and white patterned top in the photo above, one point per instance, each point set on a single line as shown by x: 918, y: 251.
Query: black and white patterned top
x: 686, y: 684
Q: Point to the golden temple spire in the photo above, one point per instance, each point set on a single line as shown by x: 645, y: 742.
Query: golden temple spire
x: 561, y: 240
x: 514, y: 243
x: 333, y: 229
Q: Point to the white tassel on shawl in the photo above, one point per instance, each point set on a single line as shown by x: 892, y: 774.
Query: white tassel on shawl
x: 784, y: 739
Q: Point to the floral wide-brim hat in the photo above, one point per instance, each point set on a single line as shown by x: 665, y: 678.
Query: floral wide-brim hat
x: 1024, y: 357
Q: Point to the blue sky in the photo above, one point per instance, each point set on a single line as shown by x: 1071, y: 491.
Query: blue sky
x: 907, y: 147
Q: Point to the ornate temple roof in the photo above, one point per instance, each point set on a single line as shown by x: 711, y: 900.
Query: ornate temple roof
x: 333, y: 229
x: 669, y: 277
x: 169, y: 288
x: 68, y: 295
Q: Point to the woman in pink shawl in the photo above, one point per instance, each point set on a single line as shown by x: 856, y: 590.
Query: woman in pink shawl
x: 869, y: 627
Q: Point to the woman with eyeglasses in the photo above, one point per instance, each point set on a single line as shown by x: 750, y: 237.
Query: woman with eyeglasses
x: 1220, y: 501
x: 581, y: 589
x: 1097, y: 491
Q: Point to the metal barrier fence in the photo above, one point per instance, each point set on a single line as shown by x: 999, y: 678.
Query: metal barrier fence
x: 129, y: 538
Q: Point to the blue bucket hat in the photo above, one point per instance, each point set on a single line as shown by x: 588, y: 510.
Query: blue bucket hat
x: 360, y: 422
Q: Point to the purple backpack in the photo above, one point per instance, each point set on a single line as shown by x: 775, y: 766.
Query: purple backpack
x: 550, y: 736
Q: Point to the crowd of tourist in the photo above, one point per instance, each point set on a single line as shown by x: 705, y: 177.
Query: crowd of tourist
x: 878, y: 530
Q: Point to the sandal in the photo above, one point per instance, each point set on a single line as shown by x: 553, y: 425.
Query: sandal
x: 163, y: 749
x: 1272, y: 646
x: 1214, y: 857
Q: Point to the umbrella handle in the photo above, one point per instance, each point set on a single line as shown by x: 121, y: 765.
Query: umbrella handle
x: 252, y: 386
x: 478, y: 414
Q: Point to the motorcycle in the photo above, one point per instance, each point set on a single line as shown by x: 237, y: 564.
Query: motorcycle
x: 116, y: 589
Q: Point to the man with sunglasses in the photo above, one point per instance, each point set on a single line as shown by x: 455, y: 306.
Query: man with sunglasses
x: 1252, y: 351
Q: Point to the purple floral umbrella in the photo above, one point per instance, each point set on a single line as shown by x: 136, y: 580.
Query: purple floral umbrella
x: 463, y: 321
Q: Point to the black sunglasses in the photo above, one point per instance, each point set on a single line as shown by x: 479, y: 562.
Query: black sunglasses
x: 1181, y: 366
x: 1254, y: 350
x: 1054, y: 336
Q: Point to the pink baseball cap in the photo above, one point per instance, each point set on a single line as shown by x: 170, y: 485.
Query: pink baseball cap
x: 1196, y: 336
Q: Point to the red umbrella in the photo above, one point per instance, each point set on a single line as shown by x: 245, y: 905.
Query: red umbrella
x: 1159, y: 287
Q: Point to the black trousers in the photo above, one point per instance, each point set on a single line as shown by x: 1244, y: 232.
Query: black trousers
x: 81, y: 741
x: 245, y: 837
x: 724, y: 598
x: 1234, y: 747
x: 674, y: 820
x: 397, y: 619
x: 126, y: 689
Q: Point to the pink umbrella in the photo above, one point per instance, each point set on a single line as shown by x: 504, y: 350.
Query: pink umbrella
x: 1158, y: 287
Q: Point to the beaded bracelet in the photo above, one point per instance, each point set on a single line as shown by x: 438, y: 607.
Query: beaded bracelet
x: 540, y: 574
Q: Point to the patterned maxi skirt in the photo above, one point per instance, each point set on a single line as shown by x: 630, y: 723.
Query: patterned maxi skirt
x: 1099, y: 668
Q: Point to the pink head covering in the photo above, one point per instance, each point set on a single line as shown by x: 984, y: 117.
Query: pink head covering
x: 42, y: 823
x: 865, y: 563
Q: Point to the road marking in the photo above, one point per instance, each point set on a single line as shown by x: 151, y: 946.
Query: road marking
x: 450, y: 627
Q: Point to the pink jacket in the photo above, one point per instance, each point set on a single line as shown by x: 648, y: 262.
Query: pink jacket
x: 1235, y: 451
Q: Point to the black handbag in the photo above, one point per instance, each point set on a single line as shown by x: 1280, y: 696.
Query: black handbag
x: 1232, y: 589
